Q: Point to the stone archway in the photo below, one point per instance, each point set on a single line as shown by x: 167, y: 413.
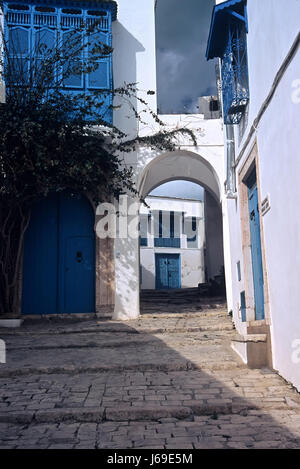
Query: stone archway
x: 157, y: 169
x: 182, y: 164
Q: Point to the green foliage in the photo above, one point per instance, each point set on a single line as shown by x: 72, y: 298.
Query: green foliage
x: 51, y: 140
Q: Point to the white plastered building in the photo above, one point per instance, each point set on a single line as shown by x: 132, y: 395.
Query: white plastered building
x: 263, y: 167
x: 172, y: 243
x: 251, y: 187
x: 135, y: 62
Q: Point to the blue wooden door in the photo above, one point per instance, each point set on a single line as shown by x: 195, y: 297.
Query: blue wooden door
x: 257, y: 267
x: 39, y: 292
x: 59, y: 257
x: 167, y: 271
x: 78, y: 274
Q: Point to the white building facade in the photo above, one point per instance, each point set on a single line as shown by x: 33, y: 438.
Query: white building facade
x: 134, y: 61
x: 252, y: 189
x: 172, y: 243
x: 262, y: 139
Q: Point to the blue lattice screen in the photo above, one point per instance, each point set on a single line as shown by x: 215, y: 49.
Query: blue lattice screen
x: 235, y: 74
x: 28, y: 24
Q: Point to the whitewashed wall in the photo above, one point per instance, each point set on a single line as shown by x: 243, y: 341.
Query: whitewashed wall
x: 134, y: 61
x: 273, y: 28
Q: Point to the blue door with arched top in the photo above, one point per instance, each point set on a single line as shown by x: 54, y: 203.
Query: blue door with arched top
x: 59, y: 257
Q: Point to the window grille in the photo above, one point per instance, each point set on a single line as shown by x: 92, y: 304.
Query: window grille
x: 26, y: 24
x: 235, y: 74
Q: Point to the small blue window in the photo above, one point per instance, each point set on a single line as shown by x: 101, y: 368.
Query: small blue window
x: 193, y: 238
x: 238, y: 266
x: 243, y: 307
x: 143, y: 242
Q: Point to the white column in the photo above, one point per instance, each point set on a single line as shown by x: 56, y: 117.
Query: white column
x: 127, y: 264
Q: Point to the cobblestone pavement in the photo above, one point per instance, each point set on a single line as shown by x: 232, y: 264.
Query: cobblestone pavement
x: 163, y: 381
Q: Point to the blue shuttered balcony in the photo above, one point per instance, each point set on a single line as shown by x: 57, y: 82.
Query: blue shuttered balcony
x: 35, y: 26
x: 228, y: 41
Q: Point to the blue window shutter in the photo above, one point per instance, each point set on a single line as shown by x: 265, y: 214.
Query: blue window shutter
x: 29, y: 26
x: 72, y: 40
x: 171, y: 224
x: 44, y: 41
x: 19, y: 41
x: 100, y: 77
x: 160, y: 224
x: 235, y: 87
x: 192, y: 240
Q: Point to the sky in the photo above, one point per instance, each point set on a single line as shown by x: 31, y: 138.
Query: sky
x: 181, y: 189
x: 183, y: 73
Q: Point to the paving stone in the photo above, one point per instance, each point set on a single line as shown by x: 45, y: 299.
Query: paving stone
x: 165, y: 380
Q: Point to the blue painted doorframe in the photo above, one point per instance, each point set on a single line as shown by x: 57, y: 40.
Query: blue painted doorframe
x: 256, y: 253
x: 167, y: 271
x: 59, y: 257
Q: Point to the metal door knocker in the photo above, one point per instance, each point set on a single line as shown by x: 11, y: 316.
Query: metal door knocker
x: 79, y: 256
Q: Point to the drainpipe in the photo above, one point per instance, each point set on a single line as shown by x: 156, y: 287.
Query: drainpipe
x: 230, y: 184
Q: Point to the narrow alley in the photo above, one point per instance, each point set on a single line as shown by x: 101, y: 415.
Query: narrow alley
x: 166, y: 380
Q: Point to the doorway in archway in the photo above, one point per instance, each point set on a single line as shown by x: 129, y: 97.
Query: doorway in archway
x: 181, y: 240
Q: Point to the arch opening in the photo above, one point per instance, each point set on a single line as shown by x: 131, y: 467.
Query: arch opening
x: 181, y: 232
x: 179, y: 165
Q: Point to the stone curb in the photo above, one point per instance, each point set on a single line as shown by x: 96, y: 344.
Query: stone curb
x: 124, y: 342
x: 146, y: 413
x: 137, y: 367
x: 54, y: 416
x: 120, y: 413
x: 150, y: 412
x: 175, y: 330
x: 129, y: 413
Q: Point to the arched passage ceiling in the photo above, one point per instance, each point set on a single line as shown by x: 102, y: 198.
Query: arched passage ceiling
x: 179, y: 165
